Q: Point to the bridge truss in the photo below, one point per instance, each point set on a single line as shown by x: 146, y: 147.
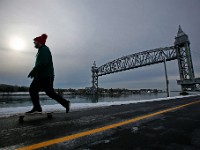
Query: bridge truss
x: 138, y: 60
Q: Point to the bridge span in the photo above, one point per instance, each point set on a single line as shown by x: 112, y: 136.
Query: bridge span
x: 137, y: 60
x: 180, y: 51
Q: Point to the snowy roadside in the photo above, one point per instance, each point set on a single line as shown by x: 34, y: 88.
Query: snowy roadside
x: 10, y: 111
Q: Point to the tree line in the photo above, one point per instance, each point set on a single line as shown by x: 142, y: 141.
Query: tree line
x: 13, y: 88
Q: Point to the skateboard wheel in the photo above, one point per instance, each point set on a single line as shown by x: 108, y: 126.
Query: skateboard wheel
x: 21, y: 119
x: 49, y: 116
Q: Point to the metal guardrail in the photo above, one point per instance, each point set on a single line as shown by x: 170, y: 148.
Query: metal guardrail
x: 188, y: 81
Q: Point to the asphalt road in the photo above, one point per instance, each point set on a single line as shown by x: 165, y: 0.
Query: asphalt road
x: 170, y: 125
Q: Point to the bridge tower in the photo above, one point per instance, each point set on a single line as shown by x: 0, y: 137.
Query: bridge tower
x: 186, y: 71
x: 94, y: 78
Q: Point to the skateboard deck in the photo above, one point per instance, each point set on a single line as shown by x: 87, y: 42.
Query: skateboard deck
x: 49, y: 115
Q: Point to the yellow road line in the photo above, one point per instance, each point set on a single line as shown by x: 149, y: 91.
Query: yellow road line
x: 93, y: 131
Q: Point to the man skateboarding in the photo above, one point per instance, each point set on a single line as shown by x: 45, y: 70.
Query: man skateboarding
x: 43, y: 76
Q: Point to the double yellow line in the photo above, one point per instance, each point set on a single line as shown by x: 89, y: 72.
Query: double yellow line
x: 93, y: 131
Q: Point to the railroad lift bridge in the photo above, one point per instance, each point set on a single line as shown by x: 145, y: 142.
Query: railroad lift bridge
x: 180, y: 51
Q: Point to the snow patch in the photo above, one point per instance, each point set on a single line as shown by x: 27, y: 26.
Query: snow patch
x: 10, y: 111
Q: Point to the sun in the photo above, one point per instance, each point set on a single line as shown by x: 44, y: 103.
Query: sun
x: 17, y: 43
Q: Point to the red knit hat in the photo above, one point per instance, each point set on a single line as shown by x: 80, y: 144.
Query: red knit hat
x: 41, y: 39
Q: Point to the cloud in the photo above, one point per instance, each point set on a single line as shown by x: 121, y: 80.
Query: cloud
x: 81, y: 32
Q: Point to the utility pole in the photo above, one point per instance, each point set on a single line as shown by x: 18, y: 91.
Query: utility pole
x: 166, y: 78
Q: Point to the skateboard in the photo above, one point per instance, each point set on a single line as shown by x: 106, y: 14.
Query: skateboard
x: 49, y: 115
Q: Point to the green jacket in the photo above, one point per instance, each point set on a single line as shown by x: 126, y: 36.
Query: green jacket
x: 44, y: 63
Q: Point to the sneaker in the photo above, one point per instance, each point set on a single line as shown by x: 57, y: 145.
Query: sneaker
x: 67, y: 106
x: 34, y: 111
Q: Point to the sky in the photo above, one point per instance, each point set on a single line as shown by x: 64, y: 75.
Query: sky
x: 83, y: 31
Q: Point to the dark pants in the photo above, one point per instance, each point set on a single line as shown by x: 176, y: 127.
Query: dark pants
x: 47, y: 85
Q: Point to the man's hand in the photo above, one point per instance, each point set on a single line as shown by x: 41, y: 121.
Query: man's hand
x: 32, y: 73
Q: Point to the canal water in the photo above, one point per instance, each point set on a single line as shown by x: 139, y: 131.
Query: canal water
x: 23, y: 99
x: 18, y: 103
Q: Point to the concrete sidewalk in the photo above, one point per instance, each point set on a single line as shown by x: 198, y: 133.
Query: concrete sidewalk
x: 175, y: 129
